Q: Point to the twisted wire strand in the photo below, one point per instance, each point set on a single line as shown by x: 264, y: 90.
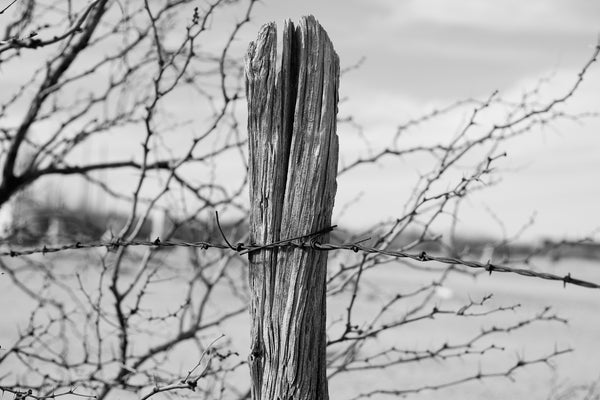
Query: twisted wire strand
x: 308, y: 242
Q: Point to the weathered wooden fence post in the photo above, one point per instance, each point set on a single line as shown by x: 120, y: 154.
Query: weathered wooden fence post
x: 293, y: 167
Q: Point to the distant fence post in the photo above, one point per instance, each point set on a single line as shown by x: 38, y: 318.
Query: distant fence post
x: 293, y: 167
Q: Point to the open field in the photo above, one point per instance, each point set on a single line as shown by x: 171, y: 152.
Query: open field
x: 581, y: 307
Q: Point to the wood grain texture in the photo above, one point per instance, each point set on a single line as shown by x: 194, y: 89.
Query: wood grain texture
x: 293, y: 166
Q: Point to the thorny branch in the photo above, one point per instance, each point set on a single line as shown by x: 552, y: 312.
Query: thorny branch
x: 475, y: 377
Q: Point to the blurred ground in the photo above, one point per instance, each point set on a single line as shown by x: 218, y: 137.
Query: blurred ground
x: 580, y: 306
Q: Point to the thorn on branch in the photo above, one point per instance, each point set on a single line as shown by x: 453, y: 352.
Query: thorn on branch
x: 196, y: 16
x: 192, y: 384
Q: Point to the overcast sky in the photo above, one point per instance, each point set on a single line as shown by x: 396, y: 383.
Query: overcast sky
x: 423, y: 54
x: 427, y: 53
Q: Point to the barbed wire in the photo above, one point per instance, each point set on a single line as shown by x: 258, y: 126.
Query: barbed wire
x: 308, y: 242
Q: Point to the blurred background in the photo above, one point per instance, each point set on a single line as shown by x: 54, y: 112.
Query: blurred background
x: 403, y: 60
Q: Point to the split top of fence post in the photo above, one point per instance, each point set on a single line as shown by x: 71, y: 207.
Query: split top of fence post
x: 293, y: 151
